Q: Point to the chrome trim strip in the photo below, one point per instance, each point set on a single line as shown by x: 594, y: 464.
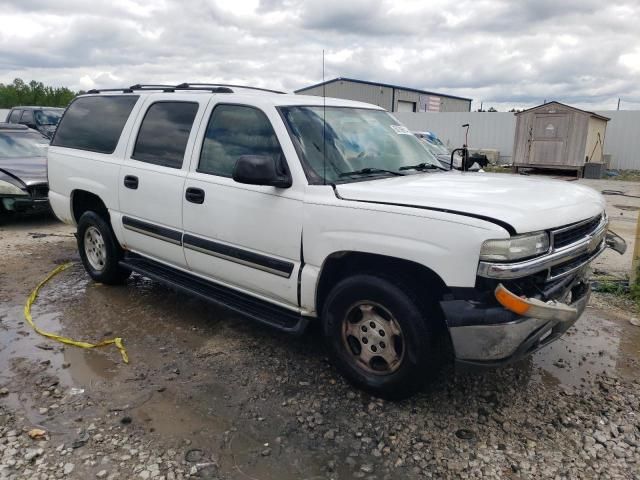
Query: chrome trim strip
x: 237, y: 260
x: 506, y: 271
x: 151, y: 234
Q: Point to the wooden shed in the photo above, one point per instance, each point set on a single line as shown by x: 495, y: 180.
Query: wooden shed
x: 558, y: 136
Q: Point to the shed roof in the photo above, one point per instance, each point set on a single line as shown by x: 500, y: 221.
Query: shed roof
x: 593, y: 114
x: 378, y: 84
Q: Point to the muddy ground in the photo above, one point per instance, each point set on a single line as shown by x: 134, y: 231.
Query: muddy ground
x: 208, y: 394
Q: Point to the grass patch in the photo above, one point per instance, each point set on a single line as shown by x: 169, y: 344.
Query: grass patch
x: 625, y: 175
x: 497, y: 169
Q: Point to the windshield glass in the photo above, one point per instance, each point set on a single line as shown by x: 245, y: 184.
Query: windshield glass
x: 355, y: 139
x: 22, y: 144
x: 48, y: 117
x: 435, y: 144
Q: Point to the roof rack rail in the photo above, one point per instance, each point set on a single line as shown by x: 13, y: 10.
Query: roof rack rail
x: 123, y: 90
x: 195, y: 85
x: 210, y: 87
x: 165, y: 88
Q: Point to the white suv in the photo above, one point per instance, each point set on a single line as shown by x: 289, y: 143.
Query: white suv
x: 294, y: 209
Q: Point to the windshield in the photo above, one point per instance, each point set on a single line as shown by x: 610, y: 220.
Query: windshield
x: 435, y: 144
x: 356, y: 139
x: 22, y: 144
x: 48, y: 117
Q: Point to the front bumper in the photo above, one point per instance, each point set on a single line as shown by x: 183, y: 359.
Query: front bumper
x: 514, y: 336
x: 24, y: 203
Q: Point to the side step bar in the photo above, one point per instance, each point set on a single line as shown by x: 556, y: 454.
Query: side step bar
x: 256, y: 309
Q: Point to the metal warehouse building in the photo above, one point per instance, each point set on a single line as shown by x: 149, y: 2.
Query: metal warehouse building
x: 390, y: 97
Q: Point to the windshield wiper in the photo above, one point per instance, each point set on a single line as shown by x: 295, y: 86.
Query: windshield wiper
x: 370, y: 171
x: 422, y: 166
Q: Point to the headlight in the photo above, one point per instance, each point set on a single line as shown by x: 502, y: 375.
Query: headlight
x: 7, y: 188
x: 515, y: 248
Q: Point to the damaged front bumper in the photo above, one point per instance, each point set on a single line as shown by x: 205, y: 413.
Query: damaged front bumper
x: 506, y: 336
x: 528, y: 305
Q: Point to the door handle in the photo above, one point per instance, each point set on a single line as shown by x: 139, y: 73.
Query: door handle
x: 131, y: 181
x: 194, y: 195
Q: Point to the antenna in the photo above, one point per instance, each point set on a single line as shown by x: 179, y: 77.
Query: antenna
x: 324, y: 125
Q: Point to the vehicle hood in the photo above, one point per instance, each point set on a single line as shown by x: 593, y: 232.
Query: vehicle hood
x: 30, y: 170
x: 525, y: 203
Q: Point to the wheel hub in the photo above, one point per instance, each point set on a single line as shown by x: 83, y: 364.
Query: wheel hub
x: 374, y: 338
x: 95, y: 248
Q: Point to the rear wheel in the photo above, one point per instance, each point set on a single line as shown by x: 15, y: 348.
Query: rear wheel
x: 99, y: 250
x: 380, y: 335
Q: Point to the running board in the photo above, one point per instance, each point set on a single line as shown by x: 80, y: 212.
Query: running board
x: 256, y: 309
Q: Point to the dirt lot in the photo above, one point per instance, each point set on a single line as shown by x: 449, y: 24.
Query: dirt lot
x: 208, y: 394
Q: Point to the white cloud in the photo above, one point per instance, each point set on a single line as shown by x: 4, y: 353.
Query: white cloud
x: 504, y: 53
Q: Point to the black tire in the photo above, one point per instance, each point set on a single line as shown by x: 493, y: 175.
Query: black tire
x: 421, y: 358
x: 106, y: 269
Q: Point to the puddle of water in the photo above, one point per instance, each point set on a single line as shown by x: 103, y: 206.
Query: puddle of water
x: 600, y: 342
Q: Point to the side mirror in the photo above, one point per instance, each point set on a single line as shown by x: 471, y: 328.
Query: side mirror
x: 261, y: 170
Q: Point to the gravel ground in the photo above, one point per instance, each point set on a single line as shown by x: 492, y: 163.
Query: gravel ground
x: 210, y: 395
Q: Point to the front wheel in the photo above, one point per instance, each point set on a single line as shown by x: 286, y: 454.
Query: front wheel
x: 381, y: 335
x: 99, y: 250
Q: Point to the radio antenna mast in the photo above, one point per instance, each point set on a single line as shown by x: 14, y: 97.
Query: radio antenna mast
x: 324, y: 126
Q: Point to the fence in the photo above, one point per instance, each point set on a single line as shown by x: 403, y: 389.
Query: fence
x: 497, y: 130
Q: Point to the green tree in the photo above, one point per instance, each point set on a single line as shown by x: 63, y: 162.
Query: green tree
x: 34, y: 93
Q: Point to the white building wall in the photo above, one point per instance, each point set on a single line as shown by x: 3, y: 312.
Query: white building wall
x: 496, y: 131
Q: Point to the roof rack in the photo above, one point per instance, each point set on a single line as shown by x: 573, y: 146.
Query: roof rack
x: 228, y: 85
x: 209, y: 87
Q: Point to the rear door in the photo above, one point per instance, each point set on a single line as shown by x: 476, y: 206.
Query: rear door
x: 152, y: 176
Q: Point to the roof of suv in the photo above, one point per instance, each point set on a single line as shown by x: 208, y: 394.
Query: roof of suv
x: 32, y: 107
x: 234, y: 93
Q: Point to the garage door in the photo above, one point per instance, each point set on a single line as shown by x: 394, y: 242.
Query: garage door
x: 406, y: 106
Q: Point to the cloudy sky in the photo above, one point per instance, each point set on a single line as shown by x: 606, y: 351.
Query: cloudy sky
x: 503, y: 53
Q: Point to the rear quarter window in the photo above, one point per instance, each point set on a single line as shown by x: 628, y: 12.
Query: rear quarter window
x: 94, y: 123
x: 14, y: 117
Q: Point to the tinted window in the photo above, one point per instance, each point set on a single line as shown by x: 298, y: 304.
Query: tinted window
x: 27, y: 117
x: 164, y: 133
x: 233, y: 131
x: 48, y: 117
x: 94, y: 123
x: 15, y: 116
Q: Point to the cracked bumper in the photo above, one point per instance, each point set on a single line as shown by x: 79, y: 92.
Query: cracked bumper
x: 515, y: 336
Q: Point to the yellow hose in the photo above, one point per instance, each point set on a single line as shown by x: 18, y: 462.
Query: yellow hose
x: 27, y: 314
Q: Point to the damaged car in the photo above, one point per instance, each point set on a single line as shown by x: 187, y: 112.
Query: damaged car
x: 300, y: 210
x: 23, y: 169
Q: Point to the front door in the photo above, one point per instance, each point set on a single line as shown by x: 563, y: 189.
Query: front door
x: 152, y: 176
x: 245, y: 236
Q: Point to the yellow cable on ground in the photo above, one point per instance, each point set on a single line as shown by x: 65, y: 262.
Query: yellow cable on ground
x: 27, y: 314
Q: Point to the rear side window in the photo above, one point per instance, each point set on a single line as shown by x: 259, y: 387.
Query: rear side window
x: 27, y: 117
x: 94, y: 123
x: 15, y: 116
x: 164, y: 133
x: 233, y: 131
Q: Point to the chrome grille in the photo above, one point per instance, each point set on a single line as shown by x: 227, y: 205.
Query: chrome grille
x: 574, y: 233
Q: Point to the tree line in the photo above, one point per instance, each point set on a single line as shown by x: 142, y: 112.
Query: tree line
x: 34, y: 93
